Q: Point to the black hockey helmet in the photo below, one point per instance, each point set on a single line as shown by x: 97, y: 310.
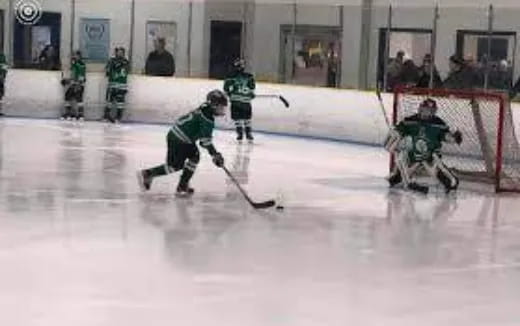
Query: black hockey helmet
x: 239, y: 64
x: 76, y: 55
x: 428, y: 108
x: 121, y: 50
x: 218, y: 101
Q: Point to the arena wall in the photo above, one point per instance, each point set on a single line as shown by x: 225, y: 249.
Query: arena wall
x: 347, y: 115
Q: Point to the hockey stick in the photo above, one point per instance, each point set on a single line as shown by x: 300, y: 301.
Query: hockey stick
x: 382, y: 106
x: 261, y: 205
x: 280, y: 97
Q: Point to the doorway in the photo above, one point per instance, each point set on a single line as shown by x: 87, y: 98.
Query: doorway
x: 310, y: 55
x: 225, y: 45
x: 31, y: 40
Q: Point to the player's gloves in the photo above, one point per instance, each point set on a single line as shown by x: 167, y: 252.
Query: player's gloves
x: 65, y: 81
x: 457, y: 136
x: 218, y: 160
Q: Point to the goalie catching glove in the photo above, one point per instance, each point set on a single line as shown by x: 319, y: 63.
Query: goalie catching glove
x: 454, y: 137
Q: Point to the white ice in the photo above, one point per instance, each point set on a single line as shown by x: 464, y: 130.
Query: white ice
x: 80, y: 245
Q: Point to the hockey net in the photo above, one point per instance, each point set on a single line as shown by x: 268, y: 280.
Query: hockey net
x: 490, y: 151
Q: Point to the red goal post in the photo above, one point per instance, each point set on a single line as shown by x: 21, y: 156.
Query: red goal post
x: 490, y: 151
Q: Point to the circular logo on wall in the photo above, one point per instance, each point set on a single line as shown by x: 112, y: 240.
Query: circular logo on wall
x: 28, y: 12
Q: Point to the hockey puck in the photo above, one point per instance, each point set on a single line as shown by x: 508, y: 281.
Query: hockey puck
x: 279, y: 207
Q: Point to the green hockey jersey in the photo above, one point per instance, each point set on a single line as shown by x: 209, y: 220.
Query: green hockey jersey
x: 117, y: 70
x: 196, y: 126
x: 423, y: 137
x: 3, y: 68
x: 240, y: 87
x: 78, y: 72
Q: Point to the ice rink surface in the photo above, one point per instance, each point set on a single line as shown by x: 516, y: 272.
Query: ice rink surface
x: 80, y: 245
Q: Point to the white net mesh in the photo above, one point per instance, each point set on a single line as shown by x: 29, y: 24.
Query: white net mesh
x: 477, y: 116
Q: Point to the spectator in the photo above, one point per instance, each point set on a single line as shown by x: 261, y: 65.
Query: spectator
x: 461, y: 76
x: 394, y: 70
x: 499, y: 77
x: 3, y: 75
x: 160, y: 62
x: 515, y: 89
x: 409, y: 74
x: 48, y: 58
x: 332, y: 66
x: 424, y: 74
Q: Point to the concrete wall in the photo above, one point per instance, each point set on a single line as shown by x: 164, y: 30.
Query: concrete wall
x: 263, y: 20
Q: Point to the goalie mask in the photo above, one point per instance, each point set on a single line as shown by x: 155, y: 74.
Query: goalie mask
x: 218, y: 101
x: 427, y: 109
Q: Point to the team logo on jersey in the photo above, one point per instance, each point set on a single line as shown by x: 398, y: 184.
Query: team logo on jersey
x: 421, y: 144
x: 28, y: 12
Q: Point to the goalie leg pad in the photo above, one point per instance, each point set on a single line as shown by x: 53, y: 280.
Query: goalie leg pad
x: 404, y: 170
x: 442, y: 173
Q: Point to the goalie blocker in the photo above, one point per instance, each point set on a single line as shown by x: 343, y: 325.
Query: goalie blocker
x: 416, y: 143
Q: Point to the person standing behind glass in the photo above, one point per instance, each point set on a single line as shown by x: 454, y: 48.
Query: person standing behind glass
x: 3, y: 75
x: 160, y: 62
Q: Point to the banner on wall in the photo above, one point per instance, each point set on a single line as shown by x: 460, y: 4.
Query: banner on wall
x: 166, y: 30
x: 95, y: 39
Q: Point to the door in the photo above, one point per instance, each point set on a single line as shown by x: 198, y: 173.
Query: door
x: 225, y: 45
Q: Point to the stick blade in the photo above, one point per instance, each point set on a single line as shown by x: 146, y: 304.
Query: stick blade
x: 263, y: 205
x: 284, y: 100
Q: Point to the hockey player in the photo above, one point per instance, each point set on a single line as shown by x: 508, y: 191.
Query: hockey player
x: 75, y: 87
x: 416, y: 142
x: 116, y: 70
x: 183, y: 153
x: 240, y: 87
x: 3, y: 75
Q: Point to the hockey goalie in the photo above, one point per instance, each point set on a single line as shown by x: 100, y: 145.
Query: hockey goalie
x: 416, y: 144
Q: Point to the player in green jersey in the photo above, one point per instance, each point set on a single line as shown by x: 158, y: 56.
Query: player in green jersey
x: 240, y: 87
x: 75, y: 87
x: 183, y: 153
x: 117, y: 70
x: 416, y: 142
x: 3, y: 75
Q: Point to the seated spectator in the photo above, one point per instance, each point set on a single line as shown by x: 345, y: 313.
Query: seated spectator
x: 409, y: 74
x: 460, y: 76
x: 424, y: 74
x: 48, y: 58
x: 499, y: 78
x: 394, y: 70
x: 160, y: 62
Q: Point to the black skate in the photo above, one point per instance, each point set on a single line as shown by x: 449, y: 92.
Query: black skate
x: 418, y: 188
x: 394, y: 180
x: 144, y: 180
x: 184, y: 191
x: 250, y: 138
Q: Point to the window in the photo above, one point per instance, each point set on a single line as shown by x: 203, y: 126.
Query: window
x: 38, y: 45
x: 316, y: 58
x: 404, y: 44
